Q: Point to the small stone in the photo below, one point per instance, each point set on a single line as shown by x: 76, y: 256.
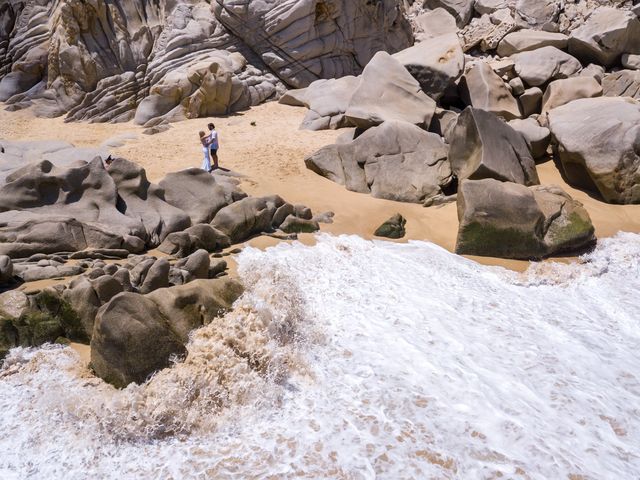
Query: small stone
x: 299, y: 225
x: 392, y: 228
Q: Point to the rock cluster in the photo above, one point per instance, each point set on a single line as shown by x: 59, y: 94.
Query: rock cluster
x: 132, y: 334
x: 533, y: 75
x: 62, y: 204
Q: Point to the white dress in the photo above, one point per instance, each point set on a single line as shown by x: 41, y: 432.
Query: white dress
x: 206, y: 162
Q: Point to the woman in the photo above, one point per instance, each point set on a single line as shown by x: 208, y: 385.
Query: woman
x: 206, y: 162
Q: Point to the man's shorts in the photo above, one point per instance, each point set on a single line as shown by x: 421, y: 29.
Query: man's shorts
x: 213, y: 151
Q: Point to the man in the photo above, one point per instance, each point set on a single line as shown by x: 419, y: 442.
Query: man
x: 213, y: 145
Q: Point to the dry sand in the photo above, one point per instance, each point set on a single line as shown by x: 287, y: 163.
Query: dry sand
x: 265, y: 144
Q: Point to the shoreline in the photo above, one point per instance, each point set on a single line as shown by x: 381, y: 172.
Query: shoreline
x: 265, y: 145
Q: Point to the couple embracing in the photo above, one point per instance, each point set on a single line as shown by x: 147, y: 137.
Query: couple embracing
x: 209, y: 148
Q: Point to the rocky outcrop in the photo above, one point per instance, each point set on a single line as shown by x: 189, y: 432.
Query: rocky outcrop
x: 596, y: 143
x: 396, y: 161
x: 483, y: 146
x: 220, y: 84
x: 155, y: 62
x: 507, y: 220
x: 136, y: 335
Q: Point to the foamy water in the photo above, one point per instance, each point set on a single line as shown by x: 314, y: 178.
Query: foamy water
x: 360, y: 360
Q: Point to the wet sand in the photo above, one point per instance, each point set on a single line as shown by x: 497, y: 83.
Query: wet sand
x: 265, y: 145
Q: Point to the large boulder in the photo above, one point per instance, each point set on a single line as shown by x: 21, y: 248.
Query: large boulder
x: 539, y: 13
x: 136, y: 335
x: 397, y: 161
x: 197, y: 264
x: 45, y: 270
x: 59, y: 235
x: 250, y: 216
x: 436, y: 63
x: 490, y: 6
x: 537, y: 67
x: 327, y: 100
x: 462, y: 10
x: 526, y: 40
x: 630, y: 61
x: 293, y: 224
x: 597, y: 143
x: 86, y: 296
x: 530, y: 101
x: 13, y: 303
x: 561, y: 92
x: 156, y: 277
x: 83, y: 191
x: 434, y: 23
x: 201, y: 236
x: 483, y: 146
x: 537, y: 137
x: 483, y: 89
x: 607, y: 34
x: 47, y: 318
x: 507, y: 220
x: 195, y: 192
x: 385, y: 78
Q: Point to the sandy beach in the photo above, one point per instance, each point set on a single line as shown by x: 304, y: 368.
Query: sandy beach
x: 266, y: 146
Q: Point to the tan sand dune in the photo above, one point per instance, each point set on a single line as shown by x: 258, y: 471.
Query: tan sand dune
x: 265, y: 145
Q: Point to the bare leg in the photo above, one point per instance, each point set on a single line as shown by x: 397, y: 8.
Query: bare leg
x: 214, y: 157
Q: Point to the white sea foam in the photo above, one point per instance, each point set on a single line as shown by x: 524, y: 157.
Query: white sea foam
x: 356, y: 359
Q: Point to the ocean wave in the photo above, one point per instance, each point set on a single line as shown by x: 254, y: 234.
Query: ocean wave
x: 358, y: 359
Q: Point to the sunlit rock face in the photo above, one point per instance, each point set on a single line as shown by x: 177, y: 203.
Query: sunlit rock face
x: 303, y: 41
x: 99, y: 60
